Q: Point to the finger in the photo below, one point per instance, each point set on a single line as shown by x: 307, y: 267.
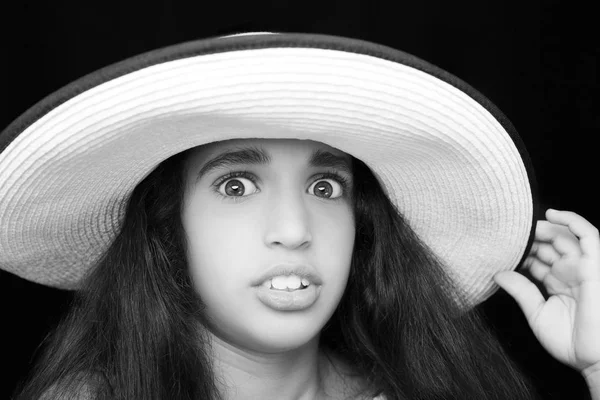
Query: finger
x: 525, y: 293
x: 546, y: 252
x: 559, y: 236
x: 589, y: 239
x: 537, y: 269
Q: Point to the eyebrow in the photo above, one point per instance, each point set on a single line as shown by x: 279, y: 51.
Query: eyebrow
x: 257, y: 156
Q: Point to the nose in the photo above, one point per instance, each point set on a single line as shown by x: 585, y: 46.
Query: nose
x: 288, y: 221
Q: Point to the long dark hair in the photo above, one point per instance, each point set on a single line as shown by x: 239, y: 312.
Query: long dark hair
x: 133, y: 330
x: 402, y: 320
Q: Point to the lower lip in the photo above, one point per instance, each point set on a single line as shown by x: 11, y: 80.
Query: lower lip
x: 282, y: 300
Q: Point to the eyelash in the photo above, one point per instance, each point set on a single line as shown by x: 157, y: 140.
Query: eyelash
x: 343, y: 181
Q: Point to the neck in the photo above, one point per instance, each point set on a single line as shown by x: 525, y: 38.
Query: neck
x: 243, y: 374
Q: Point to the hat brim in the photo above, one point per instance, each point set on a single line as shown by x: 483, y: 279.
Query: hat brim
x: 447, y: 157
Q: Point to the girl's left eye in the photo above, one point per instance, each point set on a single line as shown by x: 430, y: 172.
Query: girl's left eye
x: 326, y: 188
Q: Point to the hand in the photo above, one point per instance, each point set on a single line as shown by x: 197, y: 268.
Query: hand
x: 565, y: 258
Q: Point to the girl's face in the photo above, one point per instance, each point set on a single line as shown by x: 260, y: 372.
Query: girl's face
x: 270, y: 233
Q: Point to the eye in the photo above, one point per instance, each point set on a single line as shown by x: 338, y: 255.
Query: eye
x: 326, y: 188
x: 237, y: 187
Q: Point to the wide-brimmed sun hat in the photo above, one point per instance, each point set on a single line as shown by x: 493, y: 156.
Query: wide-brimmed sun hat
x: 449, y: 160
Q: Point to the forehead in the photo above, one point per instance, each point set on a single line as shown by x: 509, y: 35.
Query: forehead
x: 273, y: 147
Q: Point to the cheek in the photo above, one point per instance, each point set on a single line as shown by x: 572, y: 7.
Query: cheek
x: 338, y: 227
x: 339, y: 234
x: 218, y: 248
x: 335, y: 233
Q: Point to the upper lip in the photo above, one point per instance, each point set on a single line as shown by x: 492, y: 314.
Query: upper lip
x: 301, y: 270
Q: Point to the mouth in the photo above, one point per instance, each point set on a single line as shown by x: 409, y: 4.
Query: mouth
x: 288, y: 287
x: 288, y: 277
x: 286, y: 283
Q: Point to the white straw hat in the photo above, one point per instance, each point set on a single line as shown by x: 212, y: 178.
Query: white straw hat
x: 450, y: 161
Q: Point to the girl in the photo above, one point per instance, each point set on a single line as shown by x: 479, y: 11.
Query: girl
x: 286, y: 217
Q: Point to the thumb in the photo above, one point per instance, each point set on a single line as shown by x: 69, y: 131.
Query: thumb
x: 526, y: 294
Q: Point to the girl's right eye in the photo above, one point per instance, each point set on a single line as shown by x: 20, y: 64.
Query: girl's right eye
x: 237, y: 187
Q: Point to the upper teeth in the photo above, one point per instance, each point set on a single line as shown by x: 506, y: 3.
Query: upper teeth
x: 288, y: 282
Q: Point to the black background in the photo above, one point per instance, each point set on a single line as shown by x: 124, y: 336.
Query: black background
x: 537, y: 61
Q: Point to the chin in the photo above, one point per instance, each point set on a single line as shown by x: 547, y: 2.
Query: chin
x: 280, y: 336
